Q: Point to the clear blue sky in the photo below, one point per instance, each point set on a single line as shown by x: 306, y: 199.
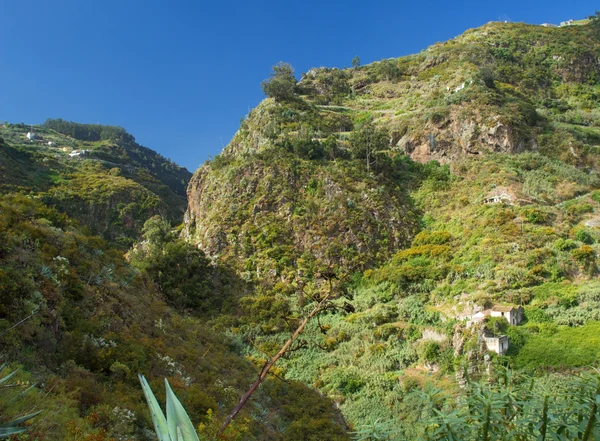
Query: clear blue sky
x: 179, y: 74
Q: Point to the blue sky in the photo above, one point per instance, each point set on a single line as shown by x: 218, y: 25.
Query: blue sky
x: 180, y: 74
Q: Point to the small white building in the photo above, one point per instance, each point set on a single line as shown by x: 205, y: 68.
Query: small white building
x: 514, y: 315
x: 499, y: 344
x: 77, y: 153
x: 500, y: 195
x: 567, y: 23
x: 30, y: 136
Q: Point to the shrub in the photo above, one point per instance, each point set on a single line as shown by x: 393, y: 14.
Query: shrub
x: 535, y: 216
x: 536, y: 315
x: 584, y: 255
x: 496, y: 325
x: 584, y: 236
x: 432, y: 237
x: 577, y: 210
x: 565, y: 244
x: 280, y: 86
x: 430, y: 352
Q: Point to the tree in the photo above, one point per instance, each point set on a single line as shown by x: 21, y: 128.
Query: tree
x: 178, y: 269
x: 356, y: 62
x: 496, y: 325
x: 280, y: 86
x: 388, y: 69
x: 322, y: 300
x: 157, y: 231
x: 366, y: 141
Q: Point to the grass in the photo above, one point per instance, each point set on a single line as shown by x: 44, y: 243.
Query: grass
x: 565, y: 348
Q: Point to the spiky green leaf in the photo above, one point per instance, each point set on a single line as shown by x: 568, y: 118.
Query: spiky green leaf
x: 178, y: 419
x: 22, y: 419
x: 8, y: 377
x: 5, y: 432
x: 158, y: 417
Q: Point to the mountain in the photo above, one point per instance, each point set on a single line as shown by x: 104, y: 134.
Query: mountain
x: 432, y: 186
x: 96, y: 174
x: 290, y: 174
x: 79, y: 317
x: 389, y: 202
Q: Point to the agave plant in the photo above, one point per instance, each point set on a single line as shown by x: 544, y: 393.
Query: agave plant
x: 12, y: 427
x: 177, y: 425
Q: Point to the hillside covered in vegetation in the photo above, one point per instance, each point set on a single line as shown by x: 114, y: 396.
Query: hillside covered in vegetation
x: 433, y: 186
x: 96, y: 174
x: 80, y: 318
x: 385, y: 216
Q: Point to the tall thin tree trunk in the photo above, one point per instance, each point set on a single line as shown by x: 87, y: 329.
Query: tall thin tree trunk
x: 267, y: 367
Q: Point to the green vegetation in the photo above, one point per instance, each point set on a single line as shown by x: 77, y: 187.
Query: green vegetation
x: 177, y: 425
x: 504, y: 408
x: 113, y: 186
x: 281, y: 84
x: 13, y: 427
x: 98, y: 321
x: 436, y: 185
x: 424, y: 189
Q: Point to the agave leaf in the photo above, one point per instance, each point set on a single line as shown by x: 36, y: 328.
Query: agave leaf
x: 178, y: 419
x: 158, y: 417
x: 21, y: 394
x: 22, y: 419
x: 5, y: 432
x: 5, y: 379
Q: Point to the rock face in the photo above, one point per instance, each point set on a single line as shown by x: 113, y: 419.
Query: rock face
x: 459, y: 137
x: 279, y: 215
x: 290, y: 190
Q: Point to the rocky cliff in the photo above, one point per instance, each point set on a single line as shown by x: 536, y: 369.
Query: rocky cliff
x: 294, y: 184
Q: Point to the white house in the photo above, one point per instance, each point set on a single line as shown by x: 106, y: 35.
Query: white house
x: 513, y: 315
x: 500, y: 195
x: 499, y: 344
x: 77, y: 153
x: 30, y: 136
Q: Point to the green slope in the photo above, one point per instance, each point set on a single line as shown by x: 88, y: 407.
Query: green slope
x: 508, y: 110
x: 112, y: 188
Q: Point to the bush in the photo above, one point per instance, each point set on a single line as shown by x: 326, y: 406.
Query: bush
x: 430, y: 352
x: 583, y: 236
x: 577, y: 210
x: 496, y: 325
x: 536, y: 315
x: 584, y: 255
x: 565, y: 244
x: 432, y: 237
x: 280, y: 86
x: 535, y: 216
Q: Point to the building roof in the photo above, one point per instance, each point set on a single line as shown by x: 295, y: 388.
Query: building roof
x: 481, y: 315
x: 504, y: 308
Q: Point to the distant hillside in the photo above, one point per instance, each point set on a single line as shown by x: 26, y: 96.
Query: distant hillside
x: 97, y: 174
x: 504, y: 87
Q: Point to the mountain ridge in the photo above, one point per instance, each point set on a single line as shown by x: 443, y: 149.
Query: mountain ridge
x: 109, y: 182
